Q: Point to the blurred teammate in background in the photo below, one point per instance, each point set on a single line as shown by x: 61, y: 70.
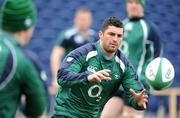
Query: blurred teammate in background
x: 18, y: 73
x: 141, y: 44
x: 91, y: 74
x: 72, y: 38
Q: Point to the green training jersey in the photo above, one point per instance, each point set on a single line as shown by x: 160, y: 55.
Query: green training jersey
x: 79, y: 98
x: 19, y: 76
x: 140, y: 45
x: 71, y: 39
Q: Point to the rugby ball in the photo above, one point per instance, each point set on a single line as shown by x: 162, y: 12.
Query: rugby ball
x: 160, y: 73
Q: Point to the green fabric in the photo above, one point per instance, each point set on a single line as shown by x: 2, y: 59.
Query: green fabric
x: 142, y: 2
x: 135, y: 50
x: 17, y: 15
x: 3, y: 51
x: 80, y: 98
x: 25, y: 80
x: 60, y: 38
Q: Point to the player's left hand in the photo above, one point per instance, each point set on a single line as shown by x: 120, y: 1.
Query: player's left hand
x: 141, y: 98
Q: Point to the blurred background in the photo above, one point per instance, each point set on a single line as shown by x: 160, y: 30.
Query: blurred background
x: 57, y: 15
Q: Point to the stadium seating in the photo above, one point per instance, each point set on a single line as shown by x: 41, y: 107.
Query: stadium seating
x: 56, y: 15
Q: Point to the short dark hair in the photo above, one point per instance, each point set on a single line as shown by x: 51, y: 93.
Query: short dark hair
x: 111, y: 21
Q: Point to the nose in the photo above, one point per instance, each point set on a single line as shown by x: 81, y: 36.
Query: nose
x: 115, y: 38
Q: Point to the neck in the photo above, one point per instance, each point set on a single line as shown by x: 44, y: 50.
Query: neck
x: 20, y: 37
x: 140, y: 15
x: 84, y: 33
x: 106, y: 54
x: 135, y: 18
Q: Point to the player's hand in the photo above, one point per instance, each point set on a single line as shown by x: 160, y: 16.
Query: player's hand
x: 141, y: 98
x: 100, y: 75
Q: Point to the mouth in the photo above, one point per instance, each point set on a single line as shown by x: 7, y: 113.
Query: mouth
x: 114, y: 45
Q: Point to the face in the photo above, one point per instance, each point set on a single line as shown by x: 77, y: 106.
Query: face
x: 111, y: 38
x: 83, y: 20
x: 134, y: 9
x: 28, y: 35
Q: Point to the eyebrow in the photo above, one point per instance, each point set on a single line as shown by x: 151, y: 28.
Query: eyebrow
x: 112, y: 33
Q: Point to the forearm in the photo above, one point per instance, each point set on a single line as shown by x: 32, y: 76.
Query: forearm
x: 132, y: 102
x: 131, y: 81
x: 56, y: 58
x: 69, y: 78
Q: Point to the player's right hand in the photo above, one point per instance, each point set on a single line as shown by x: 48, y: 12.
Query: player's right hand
x: 99, y: 75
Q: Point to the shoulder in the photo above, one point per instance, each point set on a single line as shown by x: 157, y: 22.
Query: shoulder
x: 83, y: 50
x: 125, y: 21
x: 92, y: 32
x: 122, y: 60
x: 122, y: 57
x: 151, y: 25
x: 33, y: 58
x: 70, y: 32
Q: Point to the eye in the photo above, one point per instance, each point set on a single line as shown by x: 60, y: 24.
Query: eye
x: 119, y: 35
x: 112, y: 34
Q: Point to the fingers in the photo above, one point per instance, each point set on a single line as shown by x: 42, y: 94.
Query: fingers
x: 133, y: 92
x: 93, y: 77
x: 143, y: 92
x: 145, y: 100
x: 100, y: 75
x: 97, y: 78
x: 145, y: 96
x: 104, y: 72
x: 139, y: 94
x: 144, y: 105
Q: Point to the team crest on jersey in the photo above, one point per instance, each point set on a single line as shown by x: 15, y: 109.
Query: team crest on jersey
x: 129, y: 26
x: 116, y: 76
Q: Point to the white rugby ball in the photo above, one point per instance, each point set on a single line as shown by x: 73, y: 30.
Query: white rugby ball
x: 160, y: 73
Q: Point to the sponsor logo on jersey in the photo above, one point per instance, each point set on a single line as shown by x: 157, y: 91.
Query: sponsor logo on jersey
x: 91, y: 69
x: 97, y: 94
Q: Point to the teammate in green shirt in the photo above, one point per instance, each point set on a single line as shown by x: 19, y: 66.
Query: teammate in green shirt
x: 141, y: 43
x: 90, y: 75
x: 18, y: 74
x: 71, y: 38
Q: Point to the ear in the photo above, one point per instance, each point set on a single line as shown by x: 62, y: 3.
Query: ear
x: 100, y: 34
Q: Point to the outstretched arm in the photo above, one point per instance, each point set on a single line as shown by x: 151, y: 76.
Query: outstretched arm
x: 56, y: 57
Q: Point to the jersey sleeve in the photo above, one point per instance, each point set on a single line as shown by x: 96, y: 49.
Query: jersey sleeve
x: 155, y: 37
x: 60, y: 39
x: 130, y: 80
x: 152, y: 51
x: 32, y: 86
x: 71, y: 71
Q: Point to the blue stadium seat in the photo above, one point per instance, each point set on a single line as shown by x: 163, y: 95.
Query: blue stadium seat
x: 57, y: 15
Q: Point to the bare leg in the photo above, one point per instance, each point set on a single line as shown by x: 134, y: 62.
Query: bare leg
x: 129, y: 112
x: 113, y: 108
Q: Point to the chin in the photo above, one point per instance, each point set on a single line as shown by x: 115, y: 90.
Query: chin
x: 112, y: 50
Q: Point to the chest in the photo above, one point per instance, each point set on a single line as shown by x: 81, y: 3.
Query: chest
x: 134, y: 33
x: 96, y: 64
x: 99, y: 92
